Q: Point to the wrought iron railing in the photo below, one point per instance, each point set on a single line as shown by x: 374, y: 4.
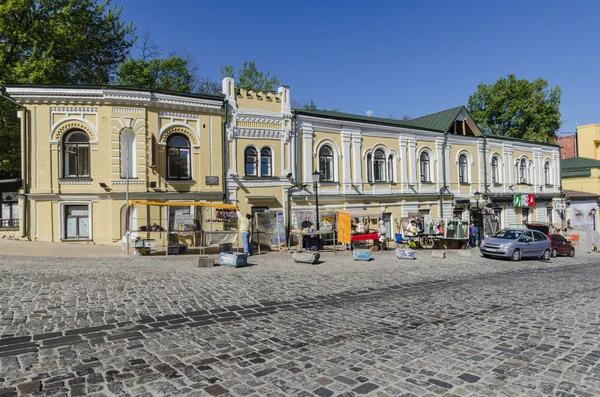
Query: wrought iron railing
x: 9, y: 223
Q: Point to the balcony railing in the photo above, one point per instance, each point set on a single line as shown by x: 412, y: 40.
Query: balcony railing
x: 9, y: 223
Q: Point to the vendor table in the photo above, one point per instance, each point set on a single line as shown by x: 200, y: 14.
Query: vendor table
x: 315, y: 233
x: 364, y: 237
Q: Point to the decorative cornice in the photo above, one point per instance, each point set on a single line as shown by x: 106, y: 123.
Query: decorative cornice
x: 131, y: 182
x: 177, y: 115
x: 128, y: 110
x: 63, y: 109
x: 266, y: 120
x: 258, y: 133
x: 74, y: 182
x: 184, y: 182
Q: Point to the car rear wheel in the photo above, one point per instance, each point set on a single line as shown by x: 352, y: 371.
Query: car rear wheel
x: 554, y: 253
x: 516, y: 255
x: 572, y: 252
x: 546, y: 255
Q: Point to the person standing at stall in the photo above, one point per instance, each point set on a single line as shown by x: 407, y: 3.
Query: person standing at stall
x: 382, y: 234
x: 244, y: 227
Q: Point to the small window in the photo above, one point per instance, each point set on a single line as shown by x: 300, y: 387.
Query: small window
x: 523, y: 171
x: 266, y: 163
x: 77, y: 222
x: 76, y: 155
x: 369, y: 168
x: 251, y: 161
x: 424, y: 167
x: 391, y: 168
x: 379, y: 166
x: 547, y: 173
x: 495, y: 172
x: 178, y: 157
x: 526, y: 237
x: 326, y: 164
x: 463, y: 176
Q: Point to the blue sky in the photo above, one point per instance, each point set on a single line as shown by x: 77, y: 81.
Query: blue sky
x: 392, y: 57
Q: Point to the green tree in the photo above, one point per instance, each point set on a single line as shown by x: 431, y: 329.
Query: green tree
x: 170, y: 74
x: 250, y: 77
x: 55, y: 42
x: 303, y: 105
x: 517, y: 108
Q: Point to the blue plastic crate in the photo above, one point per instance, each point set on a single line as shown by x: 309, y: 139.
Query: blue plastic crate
x: 361, y: 254
x: 233, y: 259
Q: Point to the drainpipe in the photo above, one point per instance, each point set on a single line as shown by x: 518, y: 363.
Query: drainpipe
x: 225, y: 151
x: 443, y: 173
x: 485, y: 184
x: 288, y: 227
x: 296, y: 146
x: 24, y: 164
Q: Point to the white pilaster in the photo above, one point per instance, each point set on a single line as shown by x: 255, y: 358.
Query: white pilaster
x: 412, y: 155
x: 440, y: 169
x: 356, y: 157
x: 307, y: 153
x: 346, y: 164
x: 403, y: 163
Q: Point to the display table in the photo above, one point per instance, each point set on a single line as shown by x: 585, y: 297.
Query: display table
x: 317, y: 234
x: 364, y: 237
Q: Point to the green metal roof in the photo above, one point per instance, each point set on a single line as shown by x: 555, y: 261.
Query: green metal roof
x: 578, y: 167
x: 440, y: 121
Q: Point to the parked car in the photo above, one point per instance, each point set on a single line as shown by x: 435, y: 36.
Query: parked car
x: 516, y: 244
x: 561, y: 246
x: 539, y: 227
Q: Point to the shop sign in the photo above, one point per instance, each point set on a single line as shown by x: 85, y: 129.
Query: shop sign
x: 459, y: 201
x: 212, y: 180
x: 9, y: 196
x: 523, y: 200
x: 561, y: 206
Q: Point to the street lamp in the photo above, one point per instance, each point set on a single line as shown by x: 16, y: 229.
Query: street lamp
x: 316, y: 176
x: 594, y: 216
x: 477, y: 195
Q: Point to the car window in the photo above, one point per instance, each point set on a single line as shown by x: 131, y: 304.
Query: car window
x: 526, y: 237
x: 539, y: 236
x: 508, y: 234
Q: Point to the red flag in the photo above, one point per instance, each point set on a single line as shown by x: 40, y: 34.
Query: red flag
x: 530, y: 200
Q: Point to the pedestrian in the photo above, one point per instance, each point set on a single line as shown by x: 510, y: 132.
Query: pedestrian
x: 411, y: 229
x: 440, y: 228
x: 472, y: 234
x: 419, y: 226
x: 382, y: 234
x: 244, y: 227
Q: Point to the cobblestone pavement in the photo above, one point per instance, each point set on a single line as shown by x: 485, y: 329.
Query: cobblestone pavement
x: 154, y: 327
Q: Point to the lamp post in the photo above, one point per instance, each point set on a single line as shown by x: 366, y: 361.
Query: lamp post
x: 594, y: 217
x: 316, y: 176
x: 479, y: 218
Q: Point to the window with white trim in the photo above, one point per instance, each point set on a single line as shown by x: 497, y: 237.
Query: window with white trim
x: 425, y: 167
x: 76, y: 221
x: 76, y: 155
x: 547, y: 177
x: 523, y: 171
x: 326, y: 164
x: 258, y: 163
x: 251, y: 161
x: 495, y: 170
x: 379, y: 166
x: 463, y: 173
x: 266, y: 162
x: 179, y: 160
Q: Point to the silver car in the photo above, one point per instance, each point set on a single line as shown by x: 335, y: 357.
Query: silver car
x: 516, y: 244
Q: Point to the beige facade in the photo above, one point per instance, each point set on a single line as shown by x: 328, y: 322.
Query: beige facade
x: 588, y: 141
x: 263, y: 157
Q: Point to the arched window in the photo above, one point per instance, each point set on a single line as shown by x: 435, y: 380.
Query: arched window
x: 391, y: 168
x: 495, y: 172
x: 326, y: 164
x: 369, y: 168
x: 424, y: 167
x: 179, y: 161
x: 379, y: 166
x: 463, y: 175
x: 76, y: 155
x: 523, y: 171
x: 547, y: 173
x: 251, y: 161
x: 266, y: 163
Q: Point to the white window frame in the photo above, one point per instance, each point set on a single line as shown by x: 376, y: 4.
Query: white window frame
x: 259, y: 161
x: 334, y: 156
x: 548, y: 176
x: 389, y: 158
x: 132, y: 161
x: 63, y: 213
x: 467, y: 177
x: 498, y: 175
x: 429, y: 154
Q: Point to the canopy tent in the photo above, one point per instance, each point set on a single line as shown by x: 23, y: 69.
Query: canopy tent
x: 344, y: 222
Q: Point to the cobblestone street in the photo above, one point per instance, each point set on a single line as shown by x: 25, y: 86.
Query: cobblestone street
x: 429, y: 327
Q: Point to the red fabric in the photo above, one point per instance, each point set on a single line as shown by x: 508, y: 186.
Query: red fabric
x: 364, y: 237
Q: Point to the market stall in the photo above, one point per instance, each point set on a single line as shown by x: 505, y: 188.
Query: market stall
x: 187, y: 225
x: 432, y: 233
x: 356, y: 226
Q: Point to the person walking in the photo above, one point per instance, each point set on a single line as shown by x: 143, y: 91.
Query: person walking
x: 244, y: 227
x: 472, y: 235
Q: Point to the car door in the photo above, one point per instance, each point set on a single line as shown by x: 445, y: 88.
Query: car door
x: 563, y: 245
x: 540, y: 243
x: 526, y: 244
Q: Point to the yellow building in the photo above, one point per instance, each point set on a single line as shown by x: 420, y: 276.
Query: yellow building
x: 253, y: 149
x: 76, y: 167
x: 588, y: 141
